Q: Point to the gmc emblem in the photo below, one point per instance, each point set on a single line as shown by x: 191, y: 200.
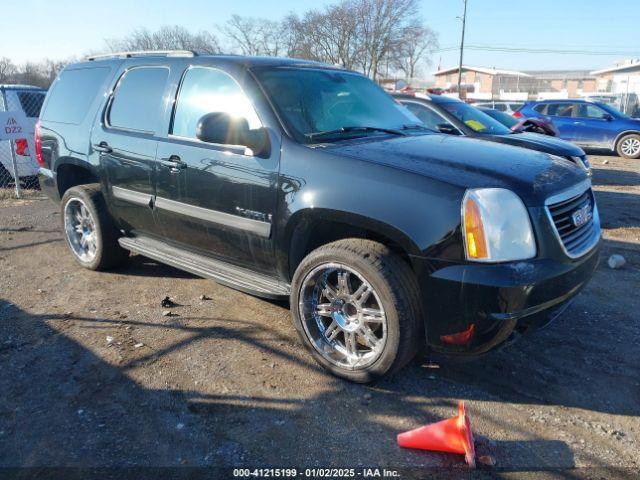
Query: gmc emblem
x: 582, y: 215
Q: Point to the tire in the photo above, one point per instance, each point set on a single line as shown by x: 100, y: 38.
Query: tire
x: 101, y: 249
x: 629, y: 146
x: 325, y: 325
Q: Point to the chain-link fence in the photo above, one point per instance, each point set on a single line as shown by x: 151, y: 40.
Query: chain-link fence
x: 18, y: 165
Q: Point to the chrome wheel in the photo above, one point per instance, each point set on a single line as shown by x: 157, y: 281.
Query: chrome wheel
x: 342, y: 316
x: 80, y: 228
x: 630, y: 147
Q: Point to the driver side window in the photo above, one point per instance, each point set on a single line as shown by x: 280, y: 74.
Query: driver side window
x: 207, y: 90
x: 592, y: 111
x: 427, y: 116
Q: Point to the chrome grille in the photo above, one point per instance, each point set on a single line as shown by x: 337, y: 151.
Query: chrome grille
x: 576, y: 223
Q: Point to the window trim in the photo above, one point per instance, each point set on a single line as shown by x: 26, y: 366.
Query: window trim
x: 114, y: 90
x: 196, y: 141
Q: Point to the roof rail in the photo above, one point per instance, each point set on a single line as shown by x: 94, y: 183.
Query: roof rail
x: 144, y: 53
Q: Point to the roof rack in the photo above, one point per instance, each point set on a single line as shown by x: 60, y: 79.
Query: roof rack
x: 144, y: 53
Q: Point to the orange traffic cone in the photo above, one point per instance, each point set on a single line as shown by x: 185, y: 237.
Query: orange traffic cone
x: 451, y: 435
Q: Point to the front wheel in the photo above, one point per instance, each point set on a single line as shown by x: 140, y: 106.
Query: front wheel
x: 356, y: 307
x: 629, y: 146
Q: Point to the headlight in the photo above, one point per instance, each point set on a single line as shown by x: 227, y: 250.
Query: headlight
x: 496, y: 226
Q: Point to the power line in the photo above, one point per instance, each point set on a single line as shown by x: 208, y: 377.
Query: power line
x: 489, y: 48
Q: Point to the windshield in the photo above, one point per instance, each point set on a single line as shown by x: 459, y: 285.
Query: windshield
x: 504, y: 118
x: 475, y: 119
x: 612, y: 110
x: 332, y: 105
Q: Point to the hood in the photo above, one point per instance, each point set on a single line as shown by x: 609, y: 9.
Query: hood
x: 469, y: 163
x: 541, y: 143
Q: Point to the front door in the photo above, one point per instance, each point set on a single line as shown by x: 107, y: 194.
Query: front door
x: 126, y: 144
x: 596, y: 129
x: 216, y: 199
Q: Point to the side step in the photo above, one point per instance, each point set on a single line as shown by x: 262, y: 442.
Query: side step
x: 222, y: 272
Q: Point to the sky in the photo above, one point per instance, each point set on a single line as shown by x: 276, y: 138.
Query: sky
x: 62, y: 28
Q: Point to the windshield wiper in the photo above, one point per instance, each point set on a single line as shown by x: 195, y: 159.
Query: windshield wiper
x: 417, y: 126
x: 341, y: 130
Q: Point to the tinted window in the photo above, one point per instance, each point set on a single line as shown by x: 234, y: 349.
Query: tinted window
x: 542, y: 108
x: 207, y: 90
x: 591, y: 111
x: 72, y: 93
x: 427, y: 116
x: 501, y: 107
x: 31, y: 102
x: 475, y: 119
x: 137, y: 102
x: 565, y: 110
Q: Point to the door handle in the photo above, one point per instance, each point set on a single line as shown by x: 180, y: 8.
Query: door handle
x: 102, y: 147
x: 174, y: 163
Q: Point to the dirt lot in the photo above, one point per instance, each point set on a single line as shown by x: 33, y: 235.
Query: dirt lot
x: 93, y: 375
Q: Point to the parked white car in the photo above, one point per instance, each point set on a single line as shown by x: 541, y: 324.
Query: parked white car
x: 505, y: 106
x: 28, y: 99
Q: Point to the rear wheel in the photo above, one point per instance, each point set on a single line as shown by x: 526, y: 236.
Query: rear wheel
x: 629, y: 146
x: 89, y: 229
x: 355, y: 305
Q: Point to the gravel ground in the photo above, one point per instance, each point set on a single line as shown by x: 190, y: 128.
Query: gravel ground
x: 94, y: 375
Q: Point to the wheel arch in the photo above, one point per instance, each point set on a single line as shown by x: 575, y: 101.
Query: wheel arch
x: 623, y: 134
x: 310, y: 228
x: 71, y: 172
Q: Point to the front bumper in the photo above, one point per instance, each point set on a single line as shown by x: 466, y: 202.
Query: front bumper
x: 489, y: 302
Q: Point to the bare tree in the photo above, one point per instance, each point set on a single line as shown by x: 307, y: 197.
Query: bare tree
x: 381, y: 23
x: 329, y: 36
x: 415, y: 45
x: 255, y: 36
x: 7, y: 70
x: 166, y: 38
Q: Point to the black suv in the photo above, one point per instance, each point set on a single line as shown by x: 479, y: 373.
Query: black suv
x: 288, y: 178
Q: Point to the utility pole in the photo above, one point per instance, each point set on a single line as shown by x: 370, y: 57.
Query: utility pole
x: 464, y: 21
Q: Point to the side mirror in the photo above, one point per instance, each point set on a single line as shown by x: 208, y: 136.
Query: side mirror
x: 608, y: 117
x: 224, y: 129
x: 447, y: 128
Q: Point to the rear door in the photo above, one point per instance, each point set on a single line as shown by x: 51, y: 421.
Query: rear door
x: 563, y: 114
x: 125, y: 141
x: 213, y: 198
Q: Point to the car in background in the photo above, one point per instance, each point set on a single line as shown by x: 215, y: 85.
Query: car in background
x: 27, y: 99
x: 627, y: 103
x: 531, y: 125
x: 590, y: 124
x: 452, y: 116
x: 501, y: 105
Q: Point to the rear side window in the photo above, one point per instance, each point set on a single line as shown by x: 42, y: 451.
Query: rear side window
x: 542, y: 108
x: 31, y: 103
x: 72, y: 94
x: 137, y: 102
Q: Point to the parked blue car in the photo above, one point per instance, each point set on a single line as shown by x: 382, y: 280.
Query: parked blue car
x: 589, y: 124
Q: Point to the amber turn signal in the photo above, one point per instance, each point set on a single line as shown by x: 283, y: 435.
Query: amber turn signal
x: 475, y: 240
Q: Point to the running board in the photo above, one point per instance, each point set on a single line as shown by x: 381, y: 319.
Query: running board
x: 222, y: 272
